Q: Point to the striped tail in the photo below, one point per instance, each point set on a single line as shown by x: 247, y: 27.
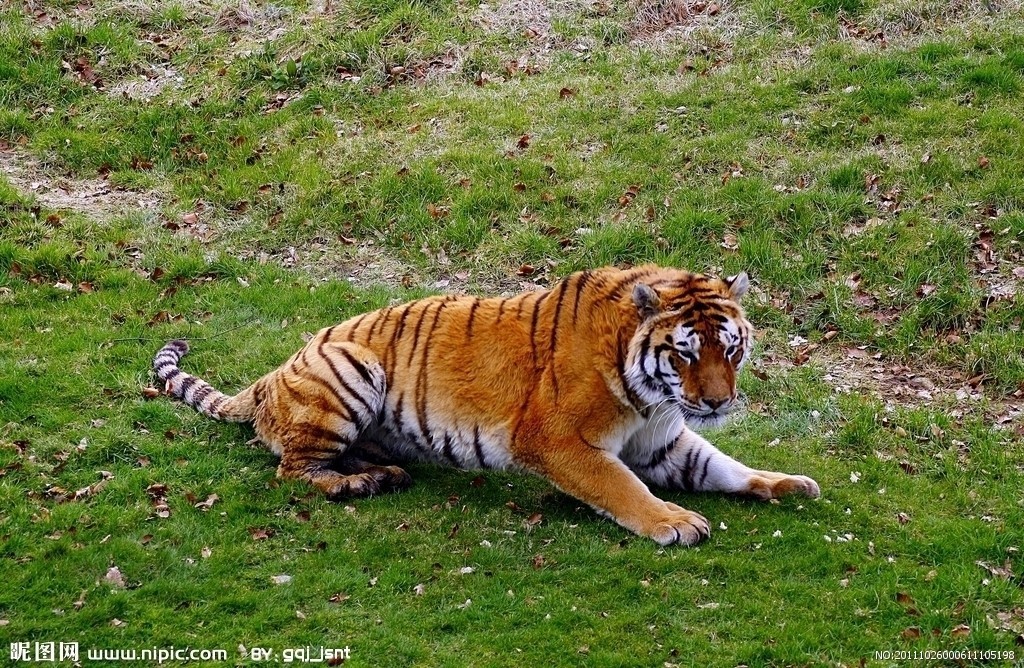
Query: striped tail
x: 196, y: 392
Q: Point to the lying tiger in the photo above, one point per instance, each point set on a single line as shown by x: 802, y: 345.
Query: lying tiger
x: 590, y: 384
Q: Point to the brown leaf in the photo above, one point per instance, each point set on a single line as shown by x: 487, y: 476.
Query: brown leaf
x: 524, y: 142
x: 960, y: 631
x: 340, y: 597
x: 685, y: 66
x: 526, y: 270
x: 519, y: 187
x: 1004, y: 572
x: 566, y: 92
x: 925, y: 289
x: 478, y: 481
x: 983, y: 162
x: 730, y: 241
x: 533, y: 520
x: 538, y: 562
x: 208, y: 503
x: 150, y: 393
x: 454, y: 530
x: 904, y: 598
x: 437, y: 212
x: 911, y: 633
x: 627, y: 197
x: 258, y: 533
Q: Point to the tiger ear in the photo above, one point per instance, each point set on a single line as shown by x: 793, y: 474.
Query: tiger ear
x: 738, y: 285
x: 646, y: 301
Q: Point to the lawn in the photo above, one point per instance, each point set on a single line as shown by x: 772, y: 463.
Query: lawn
x: 243, y: 173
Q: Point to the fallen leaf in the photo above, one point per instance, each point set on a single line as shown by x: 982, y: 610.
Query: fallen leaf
x: 1004, y: 572
x: 114, y: 577
x: 340, y: 597
x: 260, y: 534
x: 566, y: 92
x: 419, y: 589
x: 533, y: 520
x: 524, y: 142
x: 206, y: 505
x: 730, y: 241
x: 960, y: 631
x: 983, y: 162
x: 911, y: 633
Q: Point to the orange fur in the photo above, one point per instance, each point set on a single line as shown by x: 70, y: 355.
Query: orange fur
x: 588, y: 384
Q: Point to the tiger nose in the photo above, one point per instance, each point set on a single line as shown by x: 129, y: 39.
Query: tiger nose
x: 715, y: 404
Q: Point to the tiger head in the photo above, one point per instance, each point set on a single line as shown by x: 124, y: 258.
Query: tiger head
x: 691, y: 342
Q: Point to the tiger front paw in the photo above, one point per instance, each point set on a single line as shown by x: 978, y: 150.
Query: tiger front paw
x: 679, y: 525
x: 766, y: 485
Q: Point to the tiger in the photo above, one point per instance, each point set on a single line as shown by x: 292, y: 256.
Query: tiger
x: 596, y: 384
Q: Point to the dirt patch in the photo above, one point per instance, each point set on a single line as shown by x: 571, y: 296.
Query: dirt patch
x: 899, y: 385
x: 145, y: 87
x: 906, y: 23
x: 367, y: 264
x: 95, y: 198
x: 1000, y: 273
x: 659, y: 22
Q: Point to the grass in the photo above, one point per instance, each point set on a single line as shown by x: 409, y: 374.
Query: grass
x: 310, y: 165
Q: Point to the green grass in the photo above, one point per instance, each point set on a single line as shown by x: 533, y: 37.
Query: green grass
x: 872, y: 192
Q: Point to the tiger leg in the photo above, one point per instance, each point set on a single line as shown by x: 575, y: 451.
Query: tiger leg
x: 601, y: 480
x: 388, y: 477
x: 315, y: 407
x: 690, y: 462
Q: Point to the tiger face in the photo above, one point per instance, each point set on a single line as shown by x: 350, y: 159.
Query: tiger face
x: 690, y: 345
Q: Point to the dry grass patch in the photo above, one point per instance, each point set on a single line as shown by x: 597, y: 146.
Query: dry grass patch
x: 95, y: 198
